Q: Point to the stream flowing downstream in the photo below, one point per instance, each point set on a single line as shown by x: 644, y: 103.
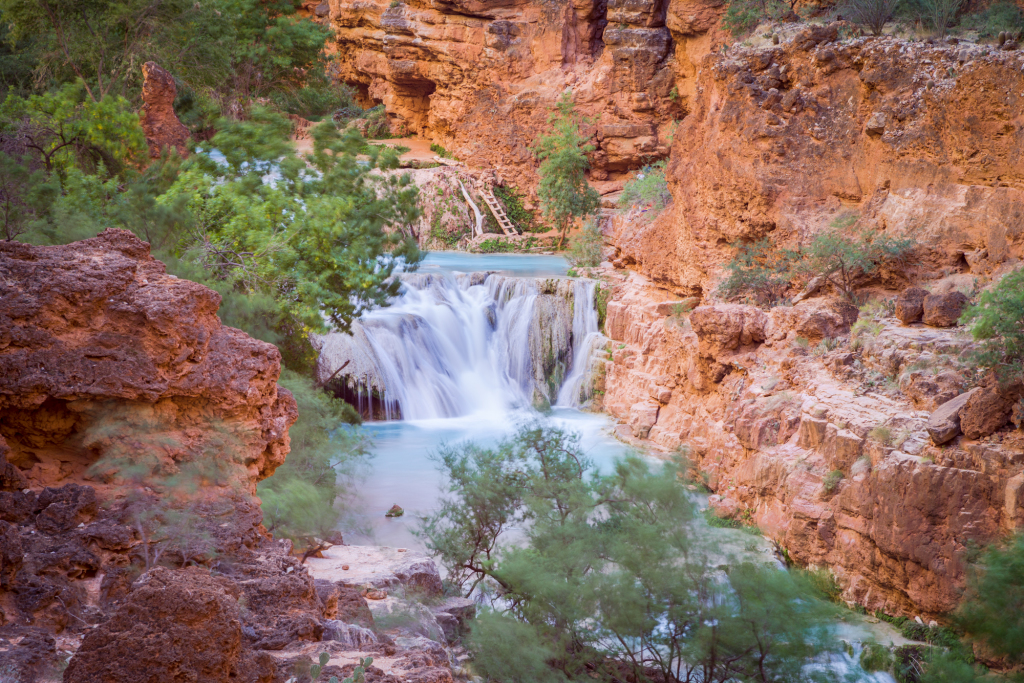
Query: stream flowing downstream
x: 452, y: 357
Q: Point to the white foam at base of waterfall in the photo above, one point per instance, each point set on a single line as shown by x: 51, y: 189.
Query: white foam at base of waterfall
x: 452, y: 345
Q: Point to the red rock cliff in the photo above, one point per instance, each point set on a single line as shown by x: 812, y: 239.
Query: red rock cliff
x: 102, y: 351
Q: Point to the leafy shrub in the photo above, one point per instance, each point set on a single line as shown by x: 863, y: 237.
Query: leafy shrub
x: 824, y: 582
x: 316, y: 98
x: 996, y: 323
x: 875, y: 657
x: 881, y: 434
x: 841, y: 260
x: 601, y: 296
x: 873, y: 14
x: 512, y: 200
x: 939, y: 15
x: 441, y: 151
x: 1002, y: 16
x: 759, y: 273
x: 648, y: 187
x: 825, y: 346
x: 565, y: 195
x: 743, y: 16
x: 377, y: 125
x: 585, y: 249
x: 993, y: 607
x: 832, y: 480
x: 497, y: 246
x: 862, y: 330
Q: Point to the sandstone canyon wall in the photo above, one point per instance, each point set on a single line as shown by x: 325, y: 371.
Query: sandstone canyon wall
x: 766, y: 139
x: 481, y: 76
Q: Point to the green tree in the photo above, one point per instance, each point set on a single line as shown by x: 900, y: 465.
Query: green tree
x: 993, y: 608
x: 236, y: 49
x: 302, y: 501
x: 64, y: 128
x: 565, y: 195
x: 585, y: 249
x: 759, y: 272
x: 997, y: 321
x: 324, y: 238
x: 24, y: 196
x: 605, y: 578
x: 843, y: 260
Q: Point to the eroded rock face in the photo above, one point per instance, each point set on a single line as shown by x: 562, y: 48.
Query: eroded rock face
x: 161, y: 125
x: 784, y: 139
x: 768, y: 414
x: 480, y: 77
x: 100, y: 348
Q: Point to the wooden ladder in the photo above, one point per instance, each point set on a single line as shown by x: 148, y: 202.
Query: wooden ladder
x: 497, y: 210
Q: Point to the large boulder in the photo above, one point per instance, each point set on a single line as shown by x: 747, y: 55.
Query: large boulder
x: 985, y: 412
x: 910, y: 305
x: 103, y: 353
x: 181, y: 625
x: 944, y: 424
x: 943, y: 310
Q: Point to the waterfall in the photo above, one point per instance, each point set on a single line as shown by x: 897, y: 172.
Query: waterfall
x: 586, y: 339
x: 460, y: 344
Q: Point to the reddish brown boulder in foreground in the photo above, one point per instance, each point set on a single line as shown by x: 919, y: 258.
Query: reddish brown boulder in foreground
x: 102, y: 352
x: 175, y: 625
x: 159, y: 122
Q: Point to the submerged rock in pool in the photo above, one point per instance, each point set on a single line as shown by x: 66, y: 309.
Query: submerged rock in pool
x: 395, y: 511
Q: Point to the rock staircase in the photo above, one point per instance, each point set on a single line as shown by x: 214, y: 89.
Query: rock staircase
x: 498, y: 210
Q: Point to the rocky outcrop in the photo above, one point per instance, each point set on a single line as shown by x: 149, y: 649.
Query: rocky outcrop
x: 160, y: 123
x: 115, y: 378
x: 102, y: 351
x: 766, y: 415
x: 480, y: 77
x: 871, y: 133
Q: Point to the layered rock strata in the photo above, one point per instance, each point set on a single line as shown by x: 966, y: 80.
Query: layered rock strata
x: 908, y: 138
x: 480, y: 77
x: 820, y: 440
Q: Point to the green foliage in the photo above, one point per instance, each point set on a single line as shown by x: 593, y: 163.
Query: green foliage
x: 996, y: 322
x: 510, y: 651
x: 585, y: 249
x: 301, y: 501
x: 875, y: 657
x: 512, y: 200
x: 601, y: 296
x: 233, y: 49
x: 565, y: 195
x: 743, y: 16
x: 648, y: 188
x: 943, y: 666
x: 841, y: 259
x: 824, y: 583
x: 497, y: 246
x: 608, y: 576
x: 324, y: 243
x: 64, y: 129
x: 377, y: 125
x: 24, y: 197
x: 993, y: 608
x: 358, y: 673
x: 999, y: 17
x: 832, y: 480
x: 759, y: 273
x: 939, y: 15
x: 441, y: 151
x: 315, y: 98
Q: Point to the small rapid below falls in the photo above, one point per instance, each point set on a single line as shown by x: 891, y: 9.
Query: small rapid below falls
x: 456, y: 344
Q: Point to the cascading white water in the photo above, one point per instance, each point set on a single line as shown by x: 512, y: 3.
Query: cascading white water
x: 457, y: 344
x: 576, y: 388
